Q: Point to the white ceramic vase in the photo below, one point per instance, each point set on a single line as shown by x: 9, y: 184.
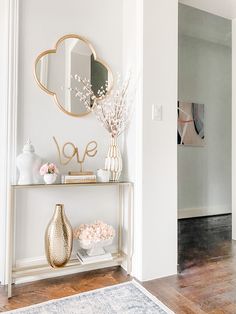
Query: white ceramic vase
x: 50, y: 178
x: 28, y: 164
x: 113, y: 161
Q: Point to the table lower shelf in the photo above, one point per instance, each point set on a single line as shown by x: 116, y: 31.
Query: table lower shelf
x: 73, y: 264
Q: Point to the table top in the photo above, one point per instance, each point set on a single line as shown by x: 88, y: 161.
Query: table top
x: 111, y: 183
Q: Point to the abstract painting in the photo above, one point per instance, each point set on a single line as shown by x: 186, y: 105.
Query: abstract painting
x: 190, y: 124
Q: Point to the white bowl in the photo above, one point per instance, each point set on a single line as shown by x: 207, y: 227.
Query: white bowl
x: 95, y: 248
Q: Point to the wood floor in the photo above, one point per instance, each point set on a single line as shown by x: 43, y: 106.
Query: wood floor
x: 202, y: 238
x: 206, y: 288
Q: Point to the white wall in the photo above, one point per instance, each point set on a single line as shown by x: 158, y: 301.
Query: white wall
x: 41, y: 25
x: 159, y: 160
x: 154, y: 170
x: 150, y: 147
x: 204, y: 173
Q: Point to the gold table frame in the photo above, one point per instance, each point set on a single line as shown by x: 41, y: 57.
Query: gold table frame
x: 118, y: 258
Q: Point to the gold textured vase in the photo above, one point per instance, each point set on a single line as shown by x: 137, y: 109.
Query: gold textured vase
x: 113, y: 161
x: 58, y: 238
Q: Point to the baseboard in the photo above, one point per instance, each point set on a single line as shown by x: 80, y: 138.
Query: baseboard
x: 41, y: 260
x: 199, y: 212
x: 32, y: 261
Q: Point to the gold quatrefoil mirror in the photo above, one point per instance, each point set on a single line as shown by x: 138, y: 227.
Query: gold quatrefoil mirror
x: 56, y: 71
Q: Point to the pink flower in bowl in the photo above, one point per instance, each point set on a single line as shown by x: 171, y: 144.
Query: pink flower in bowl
x: 48, y: 168
x: 49, y: 172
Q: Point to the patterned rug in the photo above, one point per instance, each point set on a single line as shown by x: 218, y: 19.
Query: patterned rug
x: 125, y: 298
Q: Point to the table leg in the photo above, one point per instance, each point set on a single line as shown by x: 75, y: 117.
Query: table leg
x: 120, y: 218
x: 130, y: 229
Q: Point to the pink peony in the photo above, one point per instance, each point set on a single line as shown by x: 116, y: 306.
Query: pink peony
x: 48, y: 168
x: 92, y: 233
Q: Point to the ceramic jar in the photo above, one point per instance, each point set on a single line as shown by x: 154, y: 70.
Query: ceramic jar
x: 28, y: 164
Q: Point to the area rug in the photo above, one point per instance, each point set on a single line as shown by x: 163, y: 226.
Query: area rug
x: 125, y: 298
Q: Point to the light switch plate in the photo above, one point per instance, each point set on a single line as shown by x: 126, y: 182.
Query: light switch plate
x: 157, y: 112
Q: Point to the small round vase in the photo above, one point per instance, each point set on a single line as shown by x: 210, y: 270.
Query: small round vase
x: 113, y: 162
x: 103, y: 175
x: 50, y: 178
x: 58, y: 238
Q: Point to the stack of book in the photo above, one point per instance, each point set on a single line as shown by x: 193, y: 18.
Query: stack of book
x: 84, y: 258
x: 80, y: 177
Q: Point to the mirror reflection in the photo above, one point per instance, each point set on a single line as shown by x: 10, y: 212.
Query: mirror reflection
x: 55, y: 72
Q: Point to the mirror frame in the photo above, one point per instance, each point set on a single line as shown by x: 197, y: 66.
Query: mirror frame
x: 54, y: 50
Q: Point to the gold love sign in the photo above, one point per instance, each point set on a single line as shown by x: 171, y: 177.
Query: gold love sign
x: 65, y: 157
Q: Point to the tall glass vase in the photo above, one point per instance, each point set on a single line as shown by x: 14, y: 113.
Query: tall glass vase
x: 58, y: 238
x: 113, y: 161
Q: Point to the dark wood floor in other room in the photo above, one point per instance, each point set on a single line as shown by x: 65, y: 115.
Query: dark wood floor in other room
x: 206, y: 288
x: 203, y: 238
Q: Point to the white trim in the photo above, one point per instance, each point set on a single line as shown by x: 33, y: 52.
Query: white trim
x: 135, y: 283
x: 200, y: 212
x: 138, y: 201
x: 3, y: 131
x: 233, y: 163
x: 9, y: 95
x: 132, y: 142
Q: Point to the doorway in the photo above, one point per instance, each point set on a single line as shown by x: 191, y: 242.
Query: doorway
x: 204, y: 136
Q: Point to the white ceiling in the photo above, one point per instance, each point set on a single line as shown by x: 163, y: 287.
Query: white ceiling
x: 224, y: 8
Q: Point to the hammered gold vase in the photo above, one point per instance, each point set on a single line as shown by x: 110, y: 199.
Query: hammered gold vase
x: 58, y: 238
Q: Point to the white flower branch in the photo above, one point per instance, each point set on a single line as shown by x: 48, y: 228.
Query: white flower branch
x: 112, y: 108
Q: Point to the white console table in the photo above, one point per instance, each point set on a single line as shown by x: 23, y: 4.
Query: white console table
x: 118, y: 258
